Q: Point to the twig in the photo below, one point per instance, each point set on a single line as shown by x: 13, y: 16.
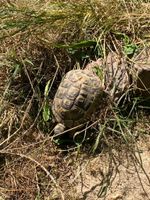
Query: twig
x: 21, y: 125
x: 38, y: 164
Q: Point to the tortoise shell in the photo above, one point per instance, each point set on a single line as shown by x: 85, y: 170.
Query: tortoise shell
x: 77, y: 97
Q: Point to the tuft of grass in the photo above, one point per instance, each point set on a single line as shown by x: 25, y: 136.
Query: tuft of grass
x: 70, y: 20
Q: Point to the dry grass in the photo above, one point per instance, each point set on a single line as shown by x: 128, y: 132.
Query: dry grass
x: 32, y: 33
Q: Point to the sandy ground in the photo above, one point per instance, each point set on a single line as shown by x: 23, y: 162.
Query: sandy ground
x: 116, y: 175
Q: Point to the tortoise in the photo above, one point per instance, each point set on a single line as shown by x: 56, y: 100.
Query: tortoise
x: 78, y: 96
x: 81, y: 91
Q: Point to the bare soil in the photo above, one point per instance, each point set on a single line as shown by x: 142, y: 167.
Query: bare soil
x: 117, y: 175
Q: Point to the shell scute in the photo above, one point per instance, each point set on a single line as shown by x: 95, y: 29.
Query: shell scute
x: 65, y: 84
x: 80, y: 100
x: 67, y: 103
x: 59, y: 94
x: 76, y: 97
x: 72, y: 93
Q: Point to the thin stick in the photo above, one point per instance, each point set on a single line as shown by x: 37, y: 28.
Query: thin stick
x: 40, y: 165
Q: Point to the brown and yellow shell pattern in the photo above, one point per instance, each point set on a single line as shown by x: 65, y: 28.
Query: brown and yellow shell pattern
x: 77, y: 97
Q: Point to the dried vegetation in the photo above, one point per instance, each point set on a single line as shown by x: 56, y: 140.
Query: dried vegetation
x: 40, y: 41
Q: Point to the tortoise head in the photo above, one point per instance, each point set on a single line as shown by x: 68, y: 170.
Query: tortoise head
x: 59, y: 128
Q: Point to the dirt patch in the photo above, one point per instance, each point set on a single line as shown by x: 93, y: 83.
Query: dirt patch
x: 118, y: 172
x: 117, y: 175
